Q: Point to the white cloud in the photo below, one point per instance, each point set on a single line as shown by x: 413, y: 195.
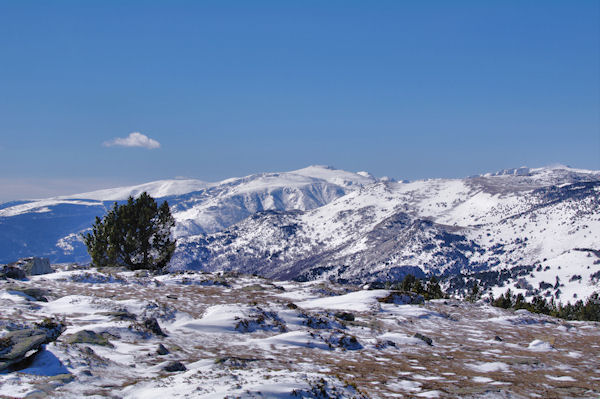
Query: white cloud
x: 135, y: 139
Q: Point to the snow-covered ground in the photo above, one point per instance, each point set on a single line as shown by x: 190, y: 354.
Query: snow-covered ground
x: 244, y: 336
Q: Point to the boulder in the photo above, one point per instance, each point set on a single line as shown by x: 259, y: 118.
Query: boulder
x: 424, y: 338
x: 17, y: 345
x: 34, y: 266
x: 151, y: 325
x: 174, y: 366
x: 162, y: 350
x: 9, y: 271
x: 346, y: 316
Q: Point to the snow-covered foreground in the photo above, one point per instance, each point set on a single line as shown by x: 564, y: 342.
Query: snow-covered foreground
x: 243, y: 336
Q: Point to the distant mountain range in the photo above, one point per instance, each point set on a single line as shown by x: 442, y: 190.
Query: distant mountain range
x: 320, y: 222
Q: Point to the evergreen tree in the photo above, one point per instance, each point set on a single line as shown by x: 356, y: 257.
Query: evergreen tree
x: 418, y: 287
x: 434, y: 291
x: 504, y: 301
x: 475, y: 293
x: 408, y: 283
x: 136, y: 235
x: 590, y: 310
x: 520, y: 302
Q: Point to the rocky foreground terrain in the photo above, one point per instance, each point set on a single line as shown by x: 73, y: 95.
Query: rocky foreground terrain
x: 213, y: 335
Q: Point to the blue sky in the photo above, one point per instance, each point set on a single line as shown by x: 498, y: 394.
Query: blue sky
x: 404, y: 89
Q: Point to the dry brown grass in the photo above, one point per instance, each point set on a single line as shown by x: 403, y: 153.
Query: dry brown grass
x: 463, y: 336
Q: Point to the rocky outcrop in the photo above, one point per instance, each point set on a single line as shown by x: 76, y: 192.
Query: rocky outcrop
x: 17, y: 345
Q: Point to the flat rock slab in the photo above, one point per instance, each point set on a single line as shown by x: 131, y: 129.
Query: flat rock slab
x: 17, y: 345
x: 88, y: 337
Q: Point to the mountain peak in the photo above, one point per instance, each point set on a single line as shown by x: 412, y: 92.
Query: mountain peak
x: 336, y: 176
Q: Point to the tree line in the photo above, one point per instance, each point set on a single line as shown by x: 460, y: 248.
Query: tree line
x: 580, y: 310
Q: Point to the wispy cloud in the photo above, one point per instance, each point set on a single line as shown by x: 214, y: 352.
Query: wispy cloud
x: 135, y: 139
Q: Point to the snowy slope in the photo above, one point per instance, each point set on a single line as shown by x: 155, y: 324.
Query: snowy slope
x: 157, y: 189
x: 232, y: 200
x: 387, y: 229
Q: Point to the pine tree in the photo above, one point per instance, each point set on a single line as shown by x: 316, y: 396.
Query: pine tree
x: 504, y: 301
x: 408, y: 283
x: 418, y: 287
x: 434, y: 291
x: 136, y: 235
x: 520, y: 302
x: 475, y: 294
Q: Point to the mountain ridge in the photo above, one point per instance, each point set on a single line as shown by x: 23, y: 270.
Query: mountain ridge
x: 322, y: 222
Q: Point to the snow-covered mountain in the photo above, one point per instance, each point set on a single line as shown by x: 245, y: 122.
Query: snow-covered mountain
x: 534, y: 230
x: 544, y: 222
x: 51, y: 227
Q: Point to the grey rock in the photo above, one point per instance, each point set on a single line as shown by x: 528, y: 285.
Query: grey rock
x: 346, y: 316
x: 18, y: 345
x: 34, y: 266
x: 174, y: 366
x: 162, y: 350
x: 88, y: 337
x: 152, y: 325
x: 13, y: 272
x: 424, y: 338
